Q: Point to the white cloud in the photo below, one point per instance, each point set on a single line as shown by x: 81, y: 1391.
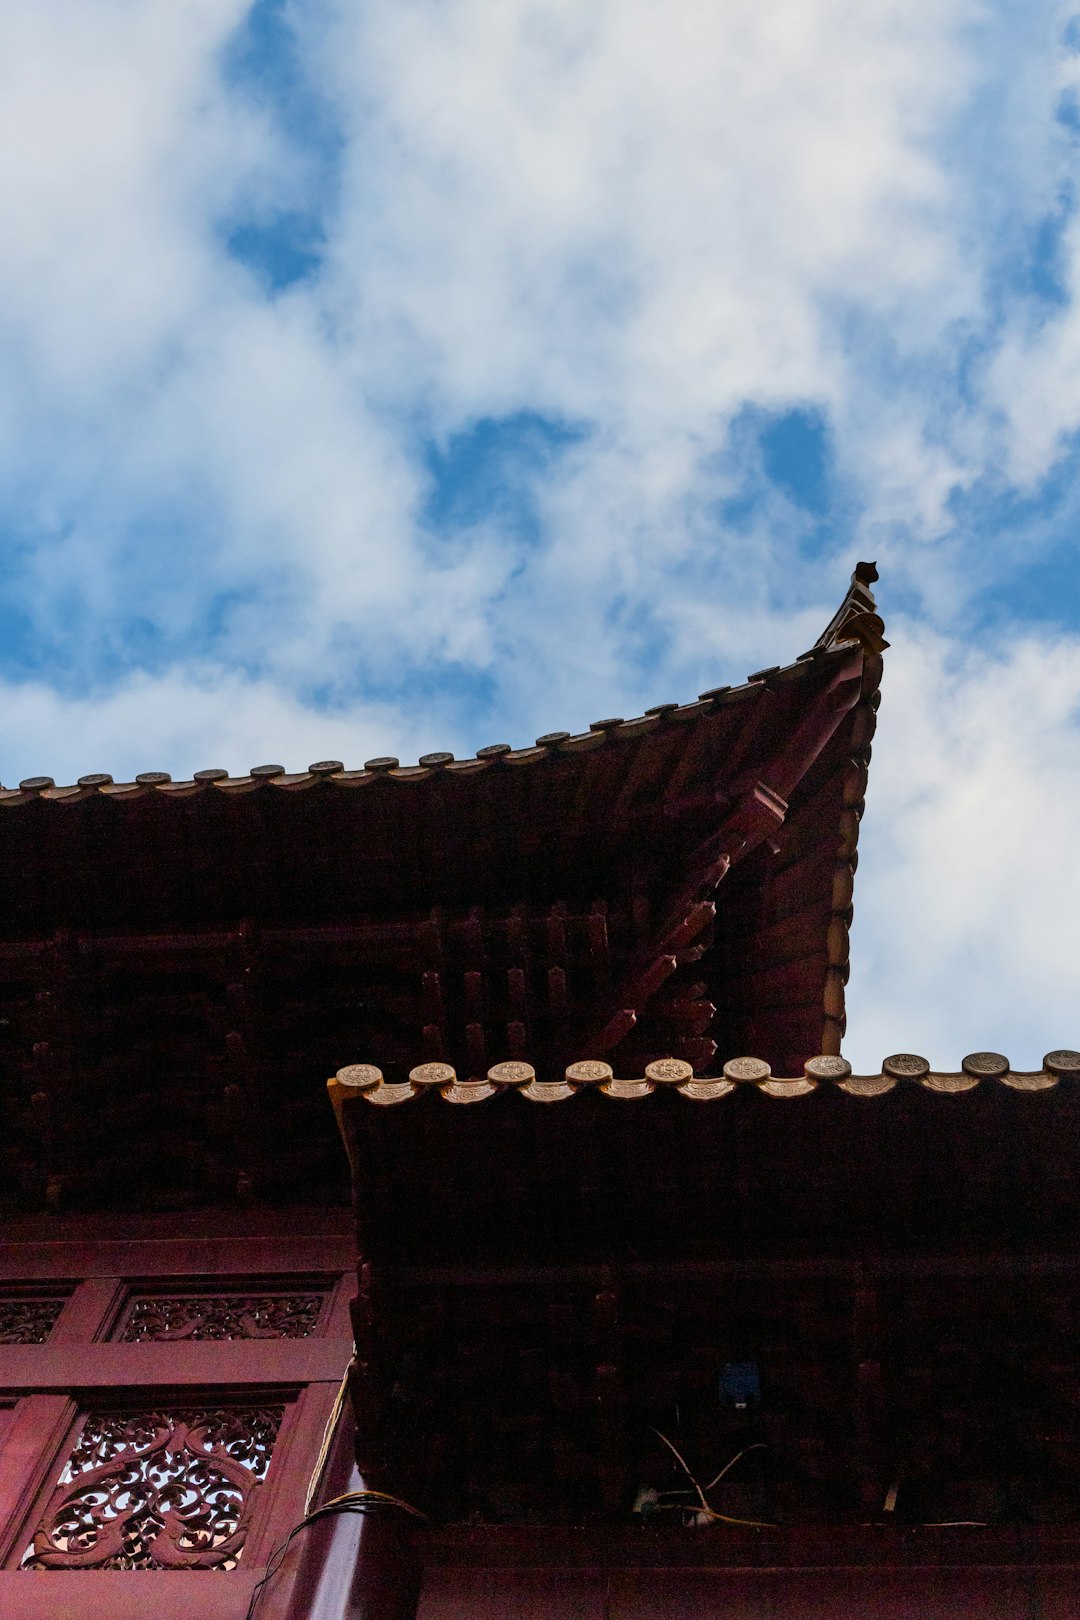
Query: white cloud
x: 637, y: 213
x: 638, y: 219
x: 121, y: 147
x: 968, y: 892
x: 1032, y: 390
x: 188, y: 722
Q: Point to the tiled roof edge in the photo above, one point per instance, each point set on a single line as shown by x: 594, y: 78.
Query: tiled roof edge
x: 903, y: 1068
x: 851, y: 623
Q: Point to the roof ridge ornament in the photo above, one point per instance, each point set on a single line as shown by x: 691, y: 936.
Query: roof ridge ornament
x: 857, y: 618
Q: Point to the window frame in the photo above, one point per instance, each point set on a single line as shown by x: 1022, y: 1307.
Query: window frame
x: 49, y: 1387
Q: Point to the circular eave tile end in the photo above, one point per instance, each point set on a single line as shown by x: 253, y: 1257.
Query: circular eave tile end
x: 669, y: 1072
x: 660, y: 709
x: 493, y: 751
x: 827, y: 1068
x: 265, y: 773
x: 1062, y: 1062
x: 511, y: 1074
x: 435, y: 761
x: 552, y: 739
x: 212, y: 775
x: 325, y: 767
x: 382, y: 763
x: 359, y: 1076
x: 99, y: 779
x: 607, y: 725
x: 905, y: 1066
x: 433, y: 1074
x: 713, y: 693
x: 747, y: 1070
x: 36, y: 784
x: 153, y: 778
x: 985, y: 1065
x: 589, y: 1072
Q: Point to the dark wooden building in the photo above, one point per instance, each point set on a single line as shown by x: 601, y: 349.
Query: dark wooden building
x: 657, y: 1309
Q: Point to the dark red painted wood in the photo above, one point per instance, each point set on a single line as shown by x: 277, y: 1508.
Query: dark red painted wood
x: 387, y: 1578
x: 190, y: 1256
x: 34, y: 1436
x: 182, y: 1363
x: 120, y: 1595
x: 81, y: 1362
x: 871, y: 1573
x: 88, y: 1311
x: 908, y: 1594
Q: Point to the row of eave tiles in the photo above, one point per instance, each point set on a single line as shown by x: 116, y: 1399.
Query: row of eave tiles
x: 599, y: 732
x: 368, y: 1081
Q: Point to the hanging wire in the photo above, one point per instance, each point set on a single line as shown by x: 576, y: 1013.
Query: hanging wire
x: 706, y: 1507
x: 758, y: 1445
x: 349, y: 1502
x: 327, y: 1440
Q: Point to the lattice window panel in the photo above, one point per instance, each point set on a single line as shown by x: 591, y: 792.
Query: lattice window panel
x: 160, y: 1489
x: 28, y: 1321
x: 165, y: 1318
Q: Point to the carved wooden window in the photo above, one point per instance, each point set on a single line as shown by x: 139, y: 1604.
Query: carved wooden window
x: 162, y: 1489
x: 163, y: 1318
x: 28, y: 1319
x: 160, y: 1419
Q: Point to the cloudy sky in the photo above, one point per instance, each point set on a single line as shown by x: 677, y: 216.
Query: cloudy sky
x: 410, y: 374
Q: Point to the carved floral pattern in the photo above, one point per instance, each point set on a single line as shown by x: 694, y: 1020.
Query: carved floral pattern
x: 195, y: 1316
x: 157, y: 1490
x: 28, y: 1321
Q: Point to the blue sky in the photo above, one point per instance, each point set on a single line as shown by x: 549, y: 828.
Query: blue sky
x: 384, y: 377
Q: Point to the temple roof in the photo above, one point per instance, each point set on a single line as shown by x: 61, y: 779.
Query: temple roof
x: 856, y: 620
x: 631, y: 1169
x: 676, y: 885
x: 541, y: 1271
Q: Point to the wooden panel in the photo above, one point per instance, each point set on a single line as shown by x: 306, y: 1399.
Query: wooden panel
x: 884, y: 1594
x: 33, y: 1438
x: 87, y: 1311
x: 170, y: 1594
x: 239, y: 1361
x: 179, y: 1257
x: 889, y: 1594
x: 527, y: 1594
x: 77, y: 1359
x: 119, y: 1595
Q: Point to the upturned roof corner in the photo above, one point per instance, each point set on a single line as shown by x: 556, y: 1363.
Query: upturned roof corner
x: 857, y: 618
